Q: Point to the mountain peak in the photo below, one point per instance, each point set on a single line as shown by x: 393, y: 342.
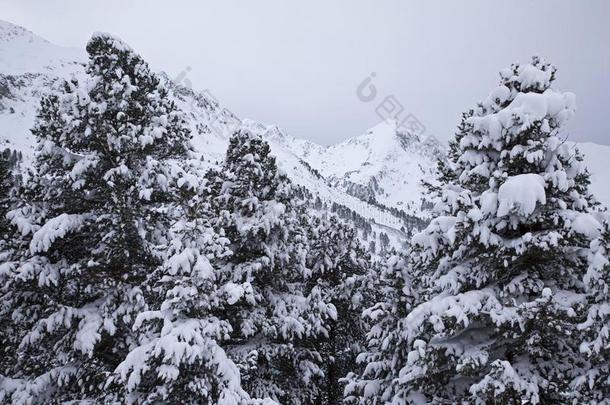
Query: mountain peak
x: 10, y: 32
x: 385, y: 138
x: 22, y: 51
x: 385, y: 129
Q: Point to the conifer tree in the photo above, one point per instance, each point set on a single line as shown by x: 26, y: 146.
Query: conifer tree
x: 373, y: 378
x: 10, y: 246
x: 343, y: 272
x: 497, y: 274
x: 273, y: 318
x: 9, y: 160
x: 179, y: 358
x: 100, y: 194
x: 6, y: 185
x: 593, y: 383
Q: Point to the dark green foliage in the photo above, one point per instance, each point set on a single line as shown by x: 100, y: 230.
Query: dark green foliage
x: 343, y: 272
x: 275, y: 317
x: 96, y: 210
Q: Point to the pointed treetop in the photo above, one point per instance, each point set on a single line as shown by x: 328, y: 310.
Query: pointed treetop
x: 112, y: 58
x: 109, y: 41
x: 246, y: 145
x: 535, y: 76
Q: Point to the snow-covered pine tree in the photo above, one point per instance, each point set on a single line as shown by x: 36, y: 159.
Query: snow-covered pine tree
x: 11, y: 243
x: 179, y: 359
x: 274, y: 320
x: 101, y: 193
x: 373, y: 378
x: 344, y: 274
x: 9, y: 160
x: 500, y: 267
x: 593, y: 385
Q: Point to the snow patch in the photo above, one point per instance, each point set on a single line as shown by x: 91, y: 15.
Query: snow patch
x: 520, y: 194
x: 54, y: 229
x: 586, y: 224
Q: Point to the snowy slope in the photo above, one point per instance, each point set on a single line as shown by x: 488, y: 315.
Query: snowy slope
x: 29, y: 66
x: 387, y: 161
x: 21, y: 51
x: 213, y: 126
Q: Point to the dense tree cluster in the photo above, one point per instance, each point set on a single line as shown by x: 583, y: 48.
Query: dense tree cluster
x: 131, y: 273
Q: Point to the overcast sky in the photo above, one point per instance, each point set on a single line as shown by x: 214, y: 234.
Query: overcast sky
x: 299, y: 65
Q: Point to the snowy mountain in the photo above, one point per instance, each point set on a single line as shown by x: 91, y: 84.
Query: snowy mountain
x: 373, y: 179
x: 385, y: 164
x: 23, y: 52
x: 31, y: 66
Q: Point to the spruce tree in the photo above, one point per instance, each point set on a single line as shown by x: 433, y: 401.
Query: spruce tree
x: 274, y: 319
x: 373, y: 378
x: 6, y: 187
x: 9, y: 180
x: 179, y: 359
x: 344, y: 274
x: 593, y: 383
x: 100, y: 194
x: 11, y: 245
x: 497, y: 275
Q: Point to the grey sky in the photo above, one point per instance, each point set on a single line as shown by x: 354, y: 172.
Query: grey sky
x: 299, y: 64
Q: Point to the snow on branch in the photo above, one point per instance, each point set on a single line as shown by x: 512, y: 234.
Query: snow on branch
x: 520, y: 194
x: 55, y: 228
